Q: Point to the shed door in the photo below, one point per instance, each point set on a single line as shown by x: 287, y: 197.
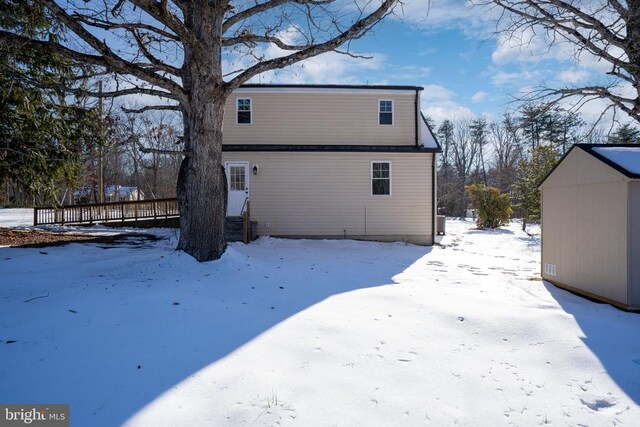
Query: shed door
x: 238, y: 186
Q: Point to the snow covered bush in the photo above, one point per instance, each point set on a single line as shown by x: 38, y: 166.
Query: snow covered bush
x: 492, y: 206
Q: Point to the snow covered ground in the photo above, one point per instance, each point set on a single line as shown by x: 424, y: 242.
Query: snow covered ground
x: 313, y: 333
x: 16, y: 217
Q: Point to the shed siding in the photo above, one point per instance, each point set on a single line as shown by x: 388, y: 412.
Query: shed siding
x: 329, y: 195
x: 585, y: 226
x: 634, y: 246
x: 327, y: 118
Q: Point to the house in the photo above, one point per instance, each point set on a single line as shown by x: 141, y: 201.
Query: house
x: 122, y: 193
x: 591, y: 223
x: 112, y: 193
x: 332, y: 161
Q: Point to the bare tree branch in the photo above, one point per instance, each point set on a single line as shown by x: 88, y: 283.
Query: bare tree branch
x: 108, y: 57
x: 356, y: 30
x: 608, y: 29
x: 152, y: 108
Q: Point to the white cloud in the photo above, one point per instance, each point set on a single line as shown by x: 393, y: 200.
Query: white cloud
x: 502, y: 78
x: 438, y: 103
x: 479, y: 96
x: 330, y: 67
x: 448, y: 14
x: 436, y: 93
x: 448, y: 110
x: 573, y: 76
x: 410, y: 72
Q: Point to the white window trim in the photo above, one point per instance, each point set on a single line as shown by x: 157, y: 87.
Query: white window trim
x: 250, y: 110
x: 390, y: 178
x: 393, y: 112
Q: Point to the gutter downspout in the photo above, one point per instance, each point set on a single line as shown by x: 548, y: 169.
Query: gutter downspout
x: 415, y: 104
x: 434, y: 208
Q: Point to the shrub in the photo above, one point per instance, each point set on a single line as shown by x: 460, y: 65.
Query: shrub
x: 493, y: 208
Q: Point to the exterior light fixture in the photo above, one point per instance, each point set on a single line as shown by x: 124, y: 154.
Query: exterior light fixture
x: 255, y: 169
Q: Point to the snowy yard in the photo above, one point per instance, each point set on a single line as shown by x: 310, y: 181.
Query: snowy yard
x: 312, y: 333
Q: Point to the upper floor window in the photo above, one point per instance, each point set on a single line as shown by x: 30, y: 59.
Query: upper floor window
x: 385, y: 112
x: 243, y: 110
x: 380, y: 178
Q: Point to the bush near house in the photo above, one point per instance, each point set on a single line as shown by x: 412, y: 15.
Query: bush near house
x: 492, y: 206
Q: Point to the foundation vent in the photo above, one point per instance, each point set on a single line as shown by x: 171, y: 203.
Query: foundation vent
x: 549, y: 269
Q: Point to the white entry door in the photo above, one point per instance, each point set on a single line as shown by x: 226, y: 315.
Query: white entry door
x: 238, y: 186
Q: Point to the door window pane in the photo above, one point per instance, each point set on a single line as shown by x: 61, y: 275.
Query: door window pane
x: 236, y: 178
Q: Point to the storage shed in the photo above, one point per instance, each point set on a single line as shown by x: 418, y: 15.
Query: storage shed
x: 591, y: 223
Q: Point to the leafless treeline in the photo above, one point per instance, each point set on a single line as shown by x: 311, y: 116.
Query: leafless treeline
x: 490, y: 152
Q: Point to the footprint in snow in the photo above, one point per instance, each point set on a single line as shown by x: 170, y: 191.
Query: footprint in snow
x: 596, y: 403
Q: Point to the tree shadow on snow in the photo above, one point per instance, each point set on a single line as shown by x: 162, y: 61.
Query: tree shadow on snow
x: 119, y: 328
x: 489, y: 231
x: 611, y: 335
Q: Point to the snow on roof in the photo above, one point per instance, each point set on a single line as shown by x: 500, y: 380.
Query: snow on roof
x: 109, y: 189
x: 120, y: 189
x: 426, y: 136
x: 625, y: 157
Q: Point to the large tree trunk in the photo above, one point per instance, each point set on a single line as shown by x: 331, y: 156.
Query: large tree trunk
x: 202, y: 187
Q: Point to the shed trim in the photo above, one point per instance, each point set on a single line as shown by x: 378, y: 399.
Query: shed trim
x: 595, y: 297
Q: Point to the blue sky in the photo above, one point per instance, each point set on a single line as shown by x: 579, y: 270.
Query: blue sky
x: 466, y: 70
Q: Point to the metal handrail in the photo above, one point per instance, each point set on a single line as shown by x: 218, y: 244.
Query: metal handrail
x: 244, y: 204
x: 246, y: 220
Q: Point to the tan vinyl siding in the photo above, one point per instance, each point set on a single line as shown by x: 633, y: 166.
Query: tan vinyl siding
x: 585, y: 226
x: 634, y: 245
x: 329, y: 195
x: 326, y: 118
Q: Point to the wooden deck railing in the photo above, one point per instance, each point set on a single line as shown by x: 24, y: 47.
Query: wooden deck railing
x: 106, y: 212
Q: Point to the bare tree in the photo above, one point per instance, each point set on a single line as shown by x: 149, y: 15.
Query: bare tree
x: 161, y: 155
x: 175, y: 49
x: 606, y: 29
x: 507, y: 152
x: 465, y: 156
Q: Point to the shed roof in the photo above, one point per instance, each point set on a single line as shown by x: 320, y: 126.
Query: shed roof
x: 624, y: 158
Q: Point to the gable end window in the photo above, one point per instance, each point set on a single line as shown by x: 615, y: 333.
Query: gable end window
x: 385, y: 112
x: 380, y: 178
x: 243, y: 111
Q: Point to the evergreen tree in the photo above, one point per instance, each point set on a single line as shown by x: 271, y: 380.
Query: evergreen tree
x: 532, y: 122
x: 445, y: 136
x: 560, y: 127
x: 479, y: 136
x: 41, y: 135
x: 493, y: 206
x: 625, y: 134
x: 531, y: 172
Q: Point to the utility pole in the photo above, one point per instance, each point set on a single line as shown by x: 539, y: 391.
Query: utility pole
x: 101, y: 147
